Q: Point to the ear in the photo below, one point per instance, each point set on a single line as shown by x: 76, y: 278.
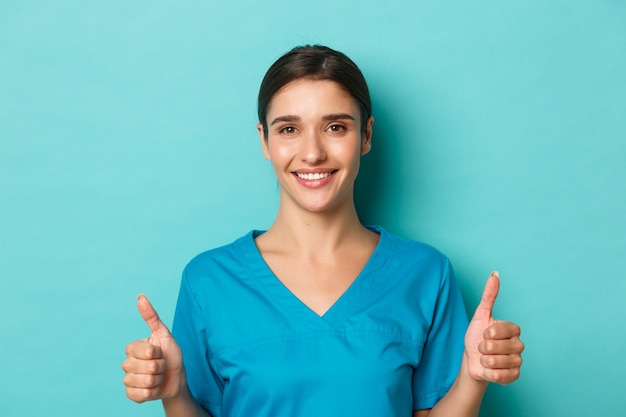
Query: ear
x: 366, y: 141
x: 264, y: 147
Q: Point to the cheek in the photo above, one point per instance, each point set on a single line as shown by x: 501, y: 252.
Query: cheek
x: 279, y: 154
x: 351, y: 155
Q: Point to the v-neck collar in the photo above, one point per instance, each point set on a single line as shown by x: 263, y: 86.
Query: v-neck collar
x: 367, y: 280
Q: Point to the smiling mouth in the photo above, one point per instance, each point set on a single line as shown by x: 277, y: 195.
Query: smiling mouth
x: 314, y: 176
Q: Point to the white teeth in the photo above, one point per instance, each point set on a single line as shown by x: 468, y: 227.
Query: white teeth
x: 311, y: 177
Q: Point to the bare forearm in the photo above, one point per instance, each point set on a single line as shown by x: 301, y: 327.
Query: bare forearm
x: 183, y: 406
x: 463, y: 399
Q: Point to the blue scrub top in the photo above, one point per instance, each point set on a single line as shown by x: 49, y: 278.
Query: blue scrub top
x: 391, y: 344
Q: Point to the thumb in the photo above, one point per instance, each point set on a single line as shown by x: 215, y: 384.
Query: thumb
x: 150, y: 316
x: 485, y: 308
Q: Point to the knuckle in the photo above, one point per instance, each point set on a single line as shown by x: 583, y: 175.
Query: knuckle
x: 152, y: 381
x: 126, y: 380
x: 135, y: 395
x: 153, y: 367
x: 511, y: 377
x: 132, y: 347
x: 496, y: 377
x: 149, y: 351
x: 490, y: 332
x: 149, y: 380
x: 505, y: 377
x: 152, y: 351
x: 487, y: 361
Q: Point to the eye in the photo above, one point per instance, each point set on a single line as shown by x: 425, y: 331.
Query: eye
x: 336, y: 128
x: 287, y: 130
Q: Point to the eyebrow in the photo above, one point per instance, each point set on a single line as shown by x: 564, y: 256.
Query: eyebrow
x: 288, y: 118
x: 338, y: 116
x: 326, y: 118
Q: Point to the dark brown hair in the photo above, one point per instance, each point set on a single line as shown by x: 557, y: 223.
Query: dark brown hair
x: 314, y: 62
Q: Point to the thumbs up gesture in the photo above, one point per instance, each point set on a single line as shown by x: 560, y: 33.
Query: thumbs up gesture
x: 154, y: 367
x: 492, y: 348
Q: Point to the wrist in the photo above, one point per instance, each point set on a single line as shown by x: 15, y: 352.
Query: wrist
x: 182, y: 404
x: 181, y: 394
x: 470, y: 377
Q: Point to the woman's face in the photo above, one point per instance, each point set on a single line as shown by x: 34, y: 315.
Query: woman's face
x: 315, y: 142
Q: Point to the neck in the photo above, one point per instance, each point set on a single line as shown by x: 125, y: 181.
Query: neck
x: 317, y: 233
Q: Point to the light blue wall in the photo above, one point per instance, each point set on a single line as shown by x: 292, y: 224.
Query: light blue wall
x: 128, y: 145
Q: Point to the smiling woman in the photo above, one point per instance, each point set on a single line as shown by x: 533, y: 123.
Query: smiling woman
x: 320, y: 315
x: 314, y: 142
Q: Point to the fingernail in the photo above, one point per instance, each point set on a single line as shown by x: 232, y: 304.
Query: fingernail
x: 496, y: 273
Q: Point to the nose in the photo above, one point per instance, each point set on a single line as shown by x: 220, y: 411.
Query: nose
x: 312, y: 148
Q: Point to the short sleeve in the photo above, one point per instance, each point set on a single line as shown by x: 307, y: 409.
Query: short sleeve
x: 443, y: 349
x: 189, y: 331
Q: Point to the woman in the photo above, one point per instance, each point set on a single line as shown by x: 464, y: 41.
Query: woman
x: 320, y: 315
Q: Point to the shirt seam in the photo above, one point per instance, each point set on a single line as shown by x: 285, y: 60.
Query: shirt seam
x: 303, y: 336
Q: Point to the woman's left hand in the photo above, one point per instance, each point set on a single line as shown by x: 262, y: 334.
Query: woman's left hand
x: 492, y: 347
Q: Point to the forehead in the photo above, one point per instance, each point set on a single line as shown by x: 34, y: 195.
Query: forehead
x: 306, y: 95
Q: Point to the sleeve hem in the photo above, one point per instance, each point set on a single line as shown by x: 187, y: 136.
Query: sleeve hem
x: 213, y: 410
x: 426, y: 401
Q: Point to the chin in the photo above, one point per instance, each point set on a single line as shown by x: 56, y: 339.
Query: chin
x: 321, y: 203
x: 322, y: 206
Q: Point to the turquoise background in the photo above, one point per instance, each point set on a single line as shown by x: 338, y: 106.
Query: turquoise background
x: 128, y: 145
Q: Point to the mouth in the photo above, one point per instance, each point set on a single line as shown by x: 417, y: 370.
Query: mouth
x: 313, y: 176
x: 315, y: 179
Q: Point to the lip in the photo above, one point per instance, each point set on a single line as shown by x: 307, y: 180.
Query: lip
x: 317, y: 183
x: 318, y: 170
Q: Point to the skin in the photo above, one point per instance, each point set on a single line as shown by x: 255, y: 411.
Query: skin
x: 317, y: 246
x: 315, y: 126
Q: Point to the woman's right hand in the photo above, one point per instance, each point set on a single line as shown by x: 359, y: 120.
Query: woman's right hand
x: 154, y: 366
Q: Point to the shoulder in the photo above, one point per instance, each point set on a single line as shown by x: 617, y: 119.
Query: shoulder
x: 408, y: 250
x: 416, y: 264
x: 231, y: 256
